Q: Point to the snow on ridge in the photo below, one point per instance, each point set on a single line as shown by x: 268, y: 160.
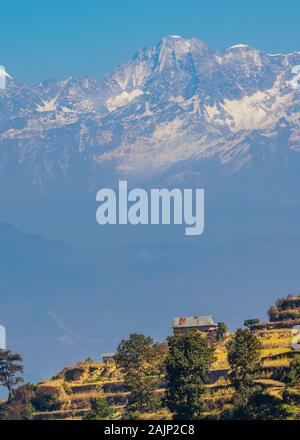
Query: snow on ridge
x: 3, y: 73
x: 3, y: 77
x: 179, y: 47
x: 47, y: 106
x: 122, y: 99
x: 238, y: 46
x: 281, y: 54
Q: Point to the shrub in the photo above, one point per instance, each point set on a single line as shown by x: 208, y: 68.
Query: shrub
x: 19, y: 407
x: 259, y: 406
x: 250, y: 322
x: 100, y: 410
x: 221, y: 331
x: 293, y: 375
x: 46, y: 399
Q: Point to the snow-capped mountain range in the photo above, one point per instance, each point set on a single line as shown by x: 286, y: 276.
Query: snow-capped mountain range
x: 179, y: 114
x: 177, y: 104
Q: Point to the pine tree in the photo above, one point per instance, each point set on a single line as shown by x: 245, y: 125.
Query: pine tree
x: 187, y: 371
x: 244, y: 360
x: 11, y: 369
x: 141, y: 361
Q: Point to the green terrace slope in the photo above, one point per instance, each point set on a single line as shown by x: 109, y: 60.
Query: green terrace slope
x: 75, y: 386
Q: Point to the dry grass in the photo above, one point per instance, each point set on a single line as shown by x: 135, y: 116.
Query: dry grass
x: 275, y: 343
x: 285, y: 362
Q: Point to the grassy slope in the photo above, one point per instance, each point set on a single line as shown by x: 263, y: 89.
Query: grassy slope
x: 98, y: 380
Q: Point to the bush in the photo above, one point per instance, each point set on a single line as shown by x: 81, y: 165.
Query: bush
x: 286, y: 308
x: 221, y: 331
x: 19, y: 407
x: 288, y: 302
x: 100, y: 410
x: 250, y: 322
x: 291, y: 397
x: 293, y: 375
x: 259, y: 406
x: 46, y: 399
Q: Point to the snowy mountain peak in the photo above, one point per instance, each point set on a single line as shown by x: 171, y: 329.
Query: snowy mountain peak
x: 179, y: 103
x: 4, y: 77
x: 173, y: 37
x: 177, y: 42
x: 173, y: 43
x: 4, y: 74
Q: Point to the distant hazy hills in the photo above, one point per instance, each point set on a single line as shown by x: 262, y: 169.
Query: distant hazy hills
x: 61, y: 304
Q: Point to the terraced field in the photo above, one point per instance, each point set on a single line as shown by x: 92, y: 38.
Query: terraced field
x: 75, y: 386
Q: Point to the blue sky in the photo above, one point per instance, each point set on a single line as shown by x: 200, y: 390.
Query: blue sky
x: 58, y: 38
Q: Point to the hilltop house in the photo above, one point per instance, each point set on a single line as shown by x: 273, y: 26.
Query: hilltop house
x: 203, y: 324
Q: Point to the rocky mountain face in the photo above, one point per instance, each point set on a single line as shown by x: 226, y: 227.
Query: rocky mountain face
x: 174, y: 108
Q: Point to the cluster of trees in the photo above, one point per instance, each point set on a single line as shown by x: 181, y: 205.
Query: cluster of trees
x: 285, y: 309
x: 28, y: 399
x: 22, y: 400
x: 170, y: 375
x: 182, y: 367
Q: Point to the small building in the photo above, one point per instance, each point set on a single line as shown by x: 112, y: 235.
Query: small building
x: 203, y: 324
x: 108, y: 358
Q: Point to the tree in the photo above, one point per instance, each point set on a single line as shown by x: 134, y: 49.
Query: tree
x: 187, y: 370
x: 250, y: 322
x: 100, y: 410
x: 273, y: 313
x: 29, y: 398
x: 221, y: 331
x: 11, y: 369
x: 244, y: 360
x: 46, y: 399
x: 19, y: 407
x: 141, y: 361
x: 293, y: 375
x: 259, y: 406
